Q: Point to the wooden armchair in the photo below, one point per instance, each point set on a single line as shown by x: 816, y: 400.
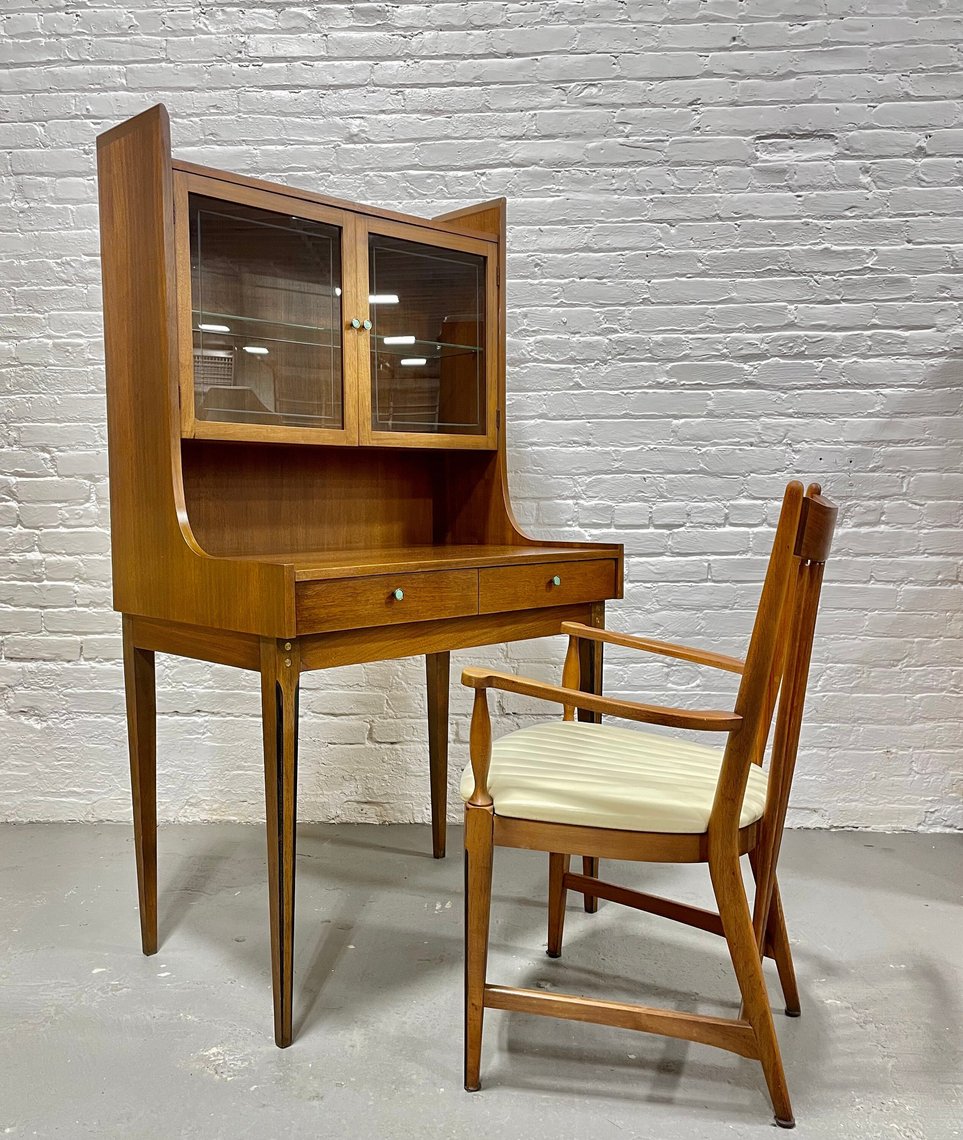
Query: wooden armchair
x: 569, y: 787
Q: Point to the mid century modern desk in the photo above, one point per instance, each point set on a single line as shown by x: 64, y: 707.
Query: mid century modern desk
x: 307, y: 460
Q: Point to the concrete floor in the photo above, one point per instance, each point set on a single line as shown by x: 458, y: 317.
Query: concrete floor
x: 96, y: 1040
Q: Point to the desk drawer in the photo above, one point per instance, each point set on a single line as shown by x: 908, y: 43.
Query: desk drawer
x: 353, y: 603
x: 505, y: 588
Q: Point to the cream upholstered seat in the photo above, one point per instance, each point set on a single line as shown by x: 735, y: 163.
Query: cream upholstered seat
x: 598, y: 775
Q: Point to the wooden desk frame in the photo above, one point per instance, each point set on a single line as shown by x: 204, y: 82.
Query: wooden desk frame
x: 244, y: 549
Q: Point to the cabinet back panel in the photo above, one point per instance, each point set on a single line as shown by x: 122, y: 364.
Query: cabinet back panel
x: 273, y: 499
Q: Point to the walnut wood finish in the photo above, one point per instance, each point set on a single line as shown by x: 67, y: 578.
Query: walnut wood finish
x: 449, y: 240
x: 382, y: 643
x: 611, y: 843
x: 142, y: 742
x: 545, y: 584
x: 780, y: 647
x: 159, y: 570
x: 589, y: 652
x: 736, y: 1036
x: 359, y: 602
x: 776, y: 946
x: 438, y: 675
x: 482, y: 233
x: 253, y: 545
x: 354, y: 296
x: 706, y: 720
x: 558, y: 876
x: 222, y: 646
x: 280, y: 672
x: 665, y: 648
x: 478, y: 900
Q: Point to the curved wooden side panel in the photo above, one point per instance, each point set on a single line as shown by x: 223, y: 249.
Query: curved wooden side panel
x: 159, y: 570
x: 478, y: 499
x: 479, y: 504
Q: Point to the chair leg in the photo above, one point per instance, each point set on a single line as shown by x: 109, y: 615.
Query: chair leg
x: 775, y: 940
x: 778, y: 939
x: 479, y: 847
x: 558, y: 866
x: 142, y: 745
x: 590, y: 869
x: 279, y: 715
x: 737, y: 925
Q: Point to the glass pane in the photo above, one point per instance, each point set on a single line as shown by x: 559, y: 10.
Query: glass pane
x: 427, y: 339
x: 266, y: 315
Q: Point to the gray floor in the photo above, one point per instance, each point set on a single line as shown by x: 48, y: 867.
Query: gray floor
x: 96, y: 1040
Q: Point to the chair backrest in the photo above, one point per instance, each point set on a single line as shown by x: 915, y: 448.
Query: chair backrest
x: 777, y: 663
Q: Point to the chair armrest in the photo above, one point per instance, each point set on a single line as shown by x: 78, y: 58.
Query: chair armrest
x: 707, y: 720
x: 665, y: 648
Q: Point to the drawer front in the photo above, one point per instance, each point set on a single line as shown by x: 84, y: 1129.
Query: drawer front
x: 505, y: 588
x: 354, y: 603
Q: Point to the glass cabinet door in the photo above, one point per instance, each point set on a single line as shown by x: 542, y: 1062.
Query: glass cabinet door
x: 266, y: 321
x: 428, y: 356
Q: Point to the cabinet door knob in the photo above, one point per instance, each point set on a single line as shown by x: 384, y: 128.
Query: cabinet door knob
x: 398, y: 594
x: 556, y: 581
x: 356, y: 324
x: 367, y: 325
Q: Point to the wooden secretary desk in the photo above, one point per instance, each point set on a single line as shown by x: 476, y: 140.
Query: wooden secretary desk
x: 306, y: 403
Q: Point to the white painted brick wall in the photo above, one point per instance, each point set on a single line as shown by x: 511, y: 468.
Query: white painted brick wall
x: 736, y: 243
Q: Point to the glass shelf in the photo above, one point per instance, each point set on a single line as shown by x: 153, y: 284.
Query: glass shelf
x: 420, y: 347
x: 229, y: 407
x: 239, y: 327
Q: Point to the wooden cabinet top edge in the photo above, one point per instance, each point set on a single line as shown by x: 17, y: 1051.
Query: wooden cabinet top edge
x: 296, y: 192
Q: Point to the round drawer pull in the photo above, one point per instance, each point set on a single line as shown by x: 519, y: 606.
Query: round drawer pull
x: 398, y: 594
x: 556, y: 581
x: 356, y: 323
x: 367, y: 325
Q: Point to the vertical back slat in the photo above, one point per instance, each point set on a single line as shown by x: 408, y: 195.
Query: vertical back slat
x: 816, y: 524
x: 751, y: 699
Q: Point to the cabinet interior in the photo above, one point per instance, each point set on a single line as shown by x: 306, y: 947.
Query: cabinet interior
x: 246, y: 499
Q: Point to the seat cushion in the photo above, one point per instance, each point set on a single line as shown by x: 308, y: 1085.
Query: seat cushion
x: 599, y: 775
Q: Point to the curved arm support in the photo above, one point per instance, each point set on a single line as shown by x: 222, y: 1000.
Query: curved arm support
x: 650, y: 645
x: 705, y: 720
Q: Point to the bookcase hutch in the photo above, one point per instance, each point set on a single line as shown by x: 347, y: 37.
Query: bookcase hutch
x: 306, y: 417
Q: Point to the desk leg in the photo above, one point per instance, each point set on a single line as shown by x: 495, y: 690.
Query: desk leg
x: 142, y: 745
x: 590, y: 681
x: 280, y: 672
x: 438, y: 668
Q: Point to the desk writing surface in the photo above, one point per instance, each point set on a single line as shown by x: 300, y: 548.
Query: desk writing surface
x: 320, y: 564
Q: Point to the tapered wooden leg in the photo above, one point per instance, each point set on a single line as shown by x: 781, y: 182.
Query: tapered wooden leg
x: 744, y: 951
x: 590, y: 869
x: 778, y: 940
x: 438, y: 668
x: 280, y: 671
x: 479, y: 845
x: 558, y: 866
x: 590, y: 663
x: 142, y: 745
x: 590, y: 681
x: 772, y: 938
